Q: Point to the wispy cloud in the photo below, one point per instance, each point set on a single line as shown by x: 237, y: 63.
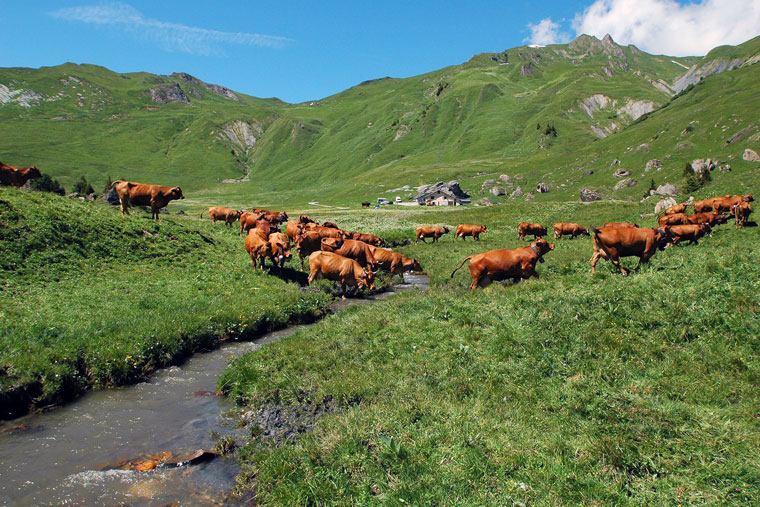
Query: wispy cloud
x: 170, y: 36
x: 546, y: 31
x: 669, y: 27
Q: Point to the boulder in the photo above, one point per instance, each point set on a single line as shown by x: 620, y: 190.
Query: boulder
x: 628, y: 182
x: 518, y: 192
x: 486, y: 184
x: 166, y: 94
x: 506, y: 179
x: 666, y: 189
x: 530, y: 196
x: 663, y: 204
x: 751, y: 155
x: 485, y: 202
x: 653, y: 164
x: 497, y: 191
x: 701, y: 165
x: 614, y: 163
x: 588, y: 195
x: 543, y: 188
x: 622, y: 173
x: 110, y: 196
x: 452, y: 187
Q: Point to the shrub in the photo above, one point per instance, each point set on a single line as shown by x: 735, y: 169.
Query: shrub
x: 83, y: 187
x: 47, y: 184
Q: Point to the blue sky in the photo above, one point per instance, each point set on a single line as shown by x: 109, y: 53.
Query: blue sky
x: 299, y: 51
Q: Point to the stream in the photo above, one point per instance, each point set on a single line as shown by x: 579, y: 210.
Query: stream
x: 75, y: 454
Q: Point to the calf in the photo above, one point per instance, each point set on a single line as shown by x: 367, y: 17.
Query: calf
x: 13, y: 176
x: 613, y: 243
x: 141, y: 194
x: 569, y: 229
x: 340, y: 269
x: 279, y: 246
x: 370, y: 239
x: 221, y: 213
x: 356, y: 250
x: 690, y: 233
x: 258, y: 247
x: 516, y: 264
x: 248, y: 221
x: 472, y: 230
x: 394, y: 261
x: 741, y: 212
x: 307, y: 243
x: 423, y: 232
x: 537, y: 230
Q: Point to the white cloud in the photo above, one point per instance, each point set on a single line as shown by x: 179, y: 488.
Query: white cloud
x: 544, y: 32
x: 171, y: 36
x: 667, y: 27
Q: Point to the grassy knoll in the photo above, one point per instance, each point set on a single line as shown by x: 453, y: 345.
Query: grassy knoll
x: 91, y: 298
x: 570, y: 389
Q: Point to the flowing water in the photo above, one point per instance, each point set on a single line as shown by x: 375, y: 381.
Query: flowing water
x: 71, y: 455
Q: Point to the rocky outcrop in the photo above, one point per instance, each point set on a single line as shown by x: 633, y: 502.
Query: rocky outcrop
x: 24, y: 98
x: 594, y: 103
x: 740, y: 134
x: 751, y: 155
x: 527, y: 70
x: 636, y: 108
x: 241, y: 134
x: 653, y: 164
x: 666, y: 189
x: 588, y: 195
x: 497, y: 191
x: 518, y: 192
x: 530, y: 196
x: 543, y: 188
x: 664, y: 204
x: 621, y: 173
x: 452, y: 187
x: 165, y: 94
x: 701, y: 165
x: 217, y: 89
x: 628, y: 182
x: 507, y: 179
x: 700, y: 71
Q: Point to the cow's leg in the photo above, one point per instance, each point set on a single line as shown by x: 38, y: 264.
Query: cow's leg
x: 476, y: 236
x: 594, y: 259
x: 124, y: 206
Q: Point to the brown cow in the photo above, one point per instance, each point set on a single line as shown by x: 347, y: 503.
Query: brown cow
x: 612, y: 243
x: 13, y: 176
x: 340, y: 269
x: 705, y: 205
x: 279, y: 245
x: 305, y: 219
x: 248, y: 221
x: 537, y: 230
x: 470, y: 230
x: 516, y: 264
x: 690, y: 233
x: 221, y: 213
x: 707, y: 218
x: 370, y: 239
x: 307, y: 243
x: 423, y: 232
x: 726, y: 203
x: 292, y: 229
x: 273, y: 217
x: 356, y: 250
x: 568, y: 229
x: 741, y: 212
x: 394, y: 261
x: 331, y: 225
x: 258, y: 247
x: 675, y: 219
x: 141, y: 194
x: 621, y: 225
x: 676, y: 208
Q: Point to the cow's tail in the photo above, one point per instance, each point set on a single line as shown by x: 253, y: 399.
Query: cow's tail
x: 114, y: 183
x: 457, y: 269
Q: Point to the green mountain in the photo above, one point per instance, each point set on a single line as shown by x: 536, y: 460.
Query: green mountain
x: 566, y: 115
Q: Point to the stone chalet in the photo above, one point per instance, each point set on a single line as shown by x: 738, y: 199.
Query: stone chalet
x: 440, y: 197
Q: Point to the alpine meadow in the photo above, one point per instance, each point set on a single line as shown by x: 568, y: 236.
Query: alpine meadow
x: 563, y: 388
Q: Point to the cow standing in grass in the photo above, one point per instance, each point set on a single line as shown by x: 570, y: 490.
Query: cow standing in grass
x: 13, y: 176
x: 141, y: 194
x: 612, y: 243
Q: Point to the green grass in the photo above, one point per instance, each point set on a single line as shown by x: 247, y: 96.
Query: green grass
x: 569, y: 389
x: 89, y: 298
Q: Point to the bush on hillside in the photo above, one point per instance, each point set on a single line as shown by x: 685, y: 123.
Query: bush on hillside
x: 47, y: 184
x: 83, y: 187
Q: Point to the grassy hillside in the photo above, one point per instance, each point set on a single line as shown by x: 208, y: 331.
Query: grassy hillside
x: 485, y: 117
x: 569, y: 389
x: 89, y: 298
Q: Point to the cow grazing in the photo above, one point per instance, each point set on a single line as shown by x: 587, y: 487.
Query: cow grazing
x: 141, y: 194
x: 612, y: 243
x: 273, y: 217
x: 12, y: 176
x: 475, y: 231
x: 394, y: 262
x: 568, y: 229
x: 330, y: 225
x: 741, y: 212
x: 258, y: 247
x: 356, y: 250
x: 228, y: 215
x: 365, y: 204
x: 721, y: 204
x: 497, y: 265
x: 621, y: 225
x: 248, y: 221
x: 307, y: 243
x: 340, y: 269
x: 690, y: 233
x: 705, y: 205
x: 676, y: 208
x: 279, y: 246
x: 370, y: 239
x: 707, y: 218
x: 305, y: 219
x: 675, y: 219
x: 430, y: 232
x: 537, y: 230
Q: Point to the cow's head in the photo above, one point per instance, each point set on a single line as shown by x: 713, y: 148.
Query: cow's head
x: 379, y: 242
x: 543, y: 246
x: 706, y: 228
x: 721, y: 218
x: 748, y: 198
x: 176, y: 193
x: 305, y: 219
x: 34, y: 173
x: 483, y: 228
x: 416, y: 265
x: 584, y: 231
x: 445, y: 230
x: 662, y: 237
x: 331, y: 244
x: 366, y: 280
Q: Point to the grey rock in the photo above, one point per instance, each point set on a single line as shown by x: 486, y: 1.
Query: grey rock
x: 614, y: 163
x: 628, y: 182
x: 530, y: 196
x: 527, y: 70
x: 497, y: 191
x: 622, y: 173
x: 664, y: 203
x: 166, y: 94
x: 666, y: 189
x: 543, y: 188
x: 653, y: 164
x: 588, y: 195
x: 506, y: 179
x: 751, y: 155
x: 518, y: 192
